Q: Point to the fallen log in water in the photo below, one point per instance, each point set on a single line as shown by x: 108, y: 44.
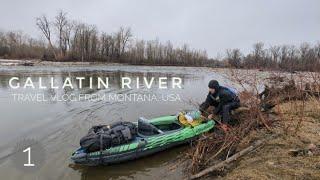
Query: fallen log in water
x: 228, y: 160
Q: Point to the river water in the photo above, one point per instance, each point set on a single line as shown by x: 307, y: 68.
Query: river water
x: 59, y: 125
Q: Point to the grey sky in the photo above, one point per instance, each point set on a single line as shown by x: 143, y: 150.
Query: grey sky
x: 214, y: 25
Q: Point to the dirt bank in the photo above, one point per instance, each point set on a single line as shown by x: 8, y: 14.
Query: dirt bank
x: 288, y: 156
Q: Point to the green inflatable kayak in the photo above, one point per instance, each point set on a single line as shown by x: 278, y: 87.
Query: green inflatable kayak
x: 170, y: 133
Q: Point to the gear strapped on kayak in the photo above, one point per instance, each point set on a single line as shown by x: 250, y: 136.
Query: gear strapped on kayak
x: 125, y: 141
x: 192, y: 118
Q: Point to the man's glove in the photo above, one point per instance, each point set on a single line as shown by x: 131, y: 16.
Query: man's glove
x: 225, y: 128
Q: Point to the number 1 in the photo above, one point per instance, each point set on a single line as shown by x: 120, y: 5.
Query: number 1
x: 29, y: 157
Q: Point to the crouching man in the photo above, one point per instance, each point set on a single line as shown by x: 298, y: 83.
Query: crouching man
x: 223, y: 99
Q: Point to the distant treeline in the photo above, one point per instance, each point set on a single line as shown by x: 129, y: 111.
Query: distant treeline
x: 306, y: 57
x: 68, y: 40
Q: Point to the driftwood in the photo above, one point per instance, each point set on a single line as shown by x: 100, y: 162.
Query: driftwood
x: 228, y: 160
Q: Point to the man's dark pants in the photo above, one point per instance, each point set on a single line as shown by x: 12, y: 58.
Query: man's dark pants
x: 226, y: 109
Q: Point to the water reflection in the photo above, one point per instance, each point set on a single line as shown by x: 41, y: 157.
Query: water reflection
x: 131, y: 169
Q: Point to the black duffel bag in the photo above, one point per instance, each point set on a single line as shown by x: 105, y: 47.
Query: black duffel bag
x: 102, y: 137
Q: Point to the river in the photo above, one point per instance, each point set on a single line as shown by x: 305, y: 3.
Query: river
x: 59, y: 125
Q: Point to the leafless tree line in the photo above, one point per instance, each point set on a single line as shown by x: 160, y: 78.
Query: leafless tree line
x: 69, y: 40
x: 306, y: 57
x: 17, y: 45
x: 82, y: 42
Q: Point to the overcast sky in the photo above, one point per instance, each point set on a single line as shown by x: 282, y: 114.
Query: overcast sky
x: 214, y: 25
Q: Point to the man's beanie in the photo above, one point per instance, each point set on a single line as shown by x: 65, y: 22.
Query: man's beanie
x: 213, y: 84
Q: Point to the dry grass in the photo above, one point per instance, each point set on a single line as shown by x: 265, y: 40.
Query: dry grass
x: 273, y: 160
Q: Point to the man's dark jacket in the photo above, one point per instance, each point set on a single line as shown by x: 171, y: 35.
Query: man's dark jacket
x: 221, y: 97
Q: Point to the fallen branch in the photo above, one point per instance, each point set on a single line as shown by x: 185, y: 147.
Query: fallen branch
x: 228, y: 160
x: 263, y: 121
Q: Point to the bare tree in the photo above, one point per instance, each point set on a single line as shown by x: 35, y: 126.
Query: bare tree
x: 234, y: 57
x: 67, y: 35
x: 275, y: 54
x: 43, y: 24
x: 258, y: 54
x: 85, y: 42
x: 60, y: 24
x: 123, y: 36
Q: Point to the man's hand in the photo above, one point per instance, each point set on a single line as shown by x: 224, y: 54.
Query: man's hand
x: 225, y: 128
x: 203, y: 117
x: 210, y: 116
